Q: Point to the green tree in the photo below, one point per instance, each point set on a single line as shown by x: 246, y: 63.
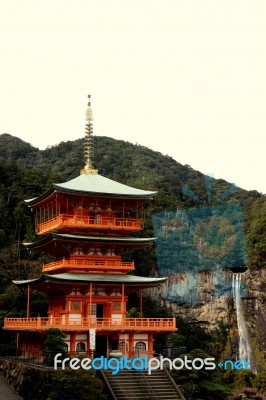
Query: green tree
x: 76, y: 385
x: 243, y: 378
x: 53, y: 345
x: 256, y: 238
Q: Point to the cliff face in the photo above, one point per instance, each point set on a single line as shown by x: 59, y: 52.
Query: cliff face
x: 202, y: 298
x: 255, y: 312
x: 215, y: 302
x: 200, y: 302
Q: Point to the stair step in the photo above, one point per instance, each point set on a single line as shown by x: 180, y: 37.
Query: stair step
x: 142, y: 390
x: 130, y: 385
x: 129, y: 389
x: 143, y: 396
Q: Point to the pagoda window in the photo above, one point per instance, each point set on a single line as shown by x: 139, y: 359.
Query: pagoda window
x: 140, y: 346
x: 99, y: 253
x: 81, y: 347
x: 75, y: 305
x: 116, y: 305
x: 111, y: 252
x: 93, y: 310
x: 122, y: 346
x: 98, y: 219
x: 78, y: 251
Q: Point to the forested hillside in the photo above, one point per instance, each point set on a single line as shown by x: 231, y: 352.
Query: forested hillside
x: 27, y: 171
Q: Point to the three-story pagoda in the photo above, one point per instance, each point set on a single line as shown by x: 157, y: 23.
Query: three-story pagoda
x: 86, y: 225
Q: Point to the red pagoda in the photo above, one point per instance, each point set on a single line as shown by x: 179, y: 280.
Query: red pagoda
x: 85, y: 225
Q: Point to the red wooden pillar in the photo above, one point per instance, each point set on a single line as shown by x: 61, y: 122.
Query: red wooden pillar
x: 123, y: 301
x: 72, y: 343
x: 150, y: 344
x: 131, y: 344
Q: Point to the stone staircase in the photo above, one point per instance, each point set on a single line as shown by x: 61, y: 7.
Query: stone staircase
x: 138, y: 385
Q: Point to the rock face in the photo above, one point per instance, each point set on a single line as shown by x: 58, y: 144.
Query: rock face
x: 202, y: 298
x: 255, y: 307
x: 207, y: 299
x: 29, y: 381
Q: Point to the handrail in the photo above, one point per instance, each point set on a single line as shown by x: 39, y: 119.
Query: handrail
x: 147, y: 385
x: 174, y: 384
x: 89, y: 262
x: 70, y: 220
x: 108, y: 384
x: 64, y: 322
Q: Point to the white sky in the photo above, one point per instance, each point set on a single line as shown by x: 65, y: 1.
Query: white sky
x: 183, y: 77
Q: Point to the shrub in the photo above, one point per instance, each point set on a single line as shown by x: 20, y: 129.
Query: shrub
x: 76, y: 385
x: 243, y: 378
x: 259, y: 382
x: 54, y: 344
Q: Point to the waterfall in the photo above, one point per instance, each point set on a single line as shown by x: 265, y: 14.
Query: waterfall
x: 244, y: 346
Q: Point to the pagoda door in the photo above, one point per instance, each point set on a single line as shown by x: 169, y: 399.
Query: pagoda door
x: 92, y: 313
x: 95, y: 311
x: 57, y: 309
x: 99, y: 310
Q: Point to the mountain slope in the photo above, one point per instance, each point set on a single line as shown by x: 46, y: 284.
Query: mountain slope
x: 122, y: 161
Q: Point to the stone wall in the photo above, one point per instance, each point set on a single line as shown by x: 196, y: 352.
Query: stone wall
x: 29, y: 381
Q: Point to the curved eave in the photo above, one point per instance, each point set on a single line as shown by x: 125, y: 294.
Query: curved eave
x: 118, y: 239
x: 96, y: 185
x: 89, y: 239
x: 29, y: 281
x: 108, y: 279
x: 106, y: 194
x: 39, y: 199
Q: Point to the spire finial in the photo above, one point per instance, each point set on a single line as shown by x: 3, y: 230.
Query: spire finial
x: 88, y: 143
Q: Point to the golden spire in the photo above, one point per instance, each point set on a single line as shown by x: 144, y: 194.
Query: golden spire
x: 88, y: 143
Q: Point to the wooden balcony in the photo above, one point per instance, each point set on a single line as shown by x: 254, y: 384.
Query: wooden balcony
x: 65, y: 323
x: 99, y: 264
x: 62, y: 221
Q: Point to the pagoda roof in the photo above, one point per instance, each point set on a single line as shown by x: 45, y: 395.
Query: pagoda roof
x: 129, y: 280
x: 94, y: 184
x: 52, y: 237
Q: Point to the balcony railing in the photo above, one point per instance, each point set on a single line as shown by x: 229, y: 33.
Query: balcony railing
x: 66, y: 323
x: 98, y: 222
x: 101, y: 264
